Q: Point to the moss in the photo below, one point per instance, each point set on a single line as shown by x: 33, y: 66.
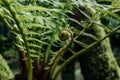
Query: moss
x: 99, y: 63
x: 5, y: 72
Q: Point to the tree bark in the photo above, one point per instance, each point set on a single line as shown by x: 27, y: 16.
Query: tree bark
x: 99, y: 63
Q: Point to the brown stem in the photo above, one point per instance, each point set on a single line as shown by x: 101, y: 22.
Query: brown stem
x: 24, y: 65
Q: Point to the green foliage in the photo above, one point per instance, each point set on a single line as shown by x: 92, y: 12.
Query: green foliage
x: 5, y: 72
x: 35, y: 26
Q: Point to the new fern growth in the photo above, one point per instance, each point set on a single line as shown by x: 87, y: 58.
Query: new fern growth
x: 65, y: 34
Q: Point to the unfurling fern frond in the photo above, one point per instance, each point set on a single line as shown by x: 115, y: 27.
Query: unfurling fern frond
x: 5, y: 72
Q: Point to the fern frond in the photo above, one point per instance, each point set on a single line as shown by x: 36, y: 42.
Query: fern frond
x: 33, y: 55
x: 25, y: 17
x: 77, y: 22
x: 29, y: 25
x: 106, y: 28
x: 111, y: 13
x: 17, y: 35
x: 36, y: 40
x: 34, y: 46
x: 81, y: 43
x: 34, y: 51
x: 34, y: 8
x: 19, y: 46
x: 9, y: 17
x: 89, y: 35
x: 21, y: 30
x: 33, y: 33
x: 47, y: 32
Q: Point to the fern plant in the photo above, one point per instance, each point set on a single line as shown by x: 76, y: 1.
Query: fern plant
x: 31, y: 30
x: 35, y: 29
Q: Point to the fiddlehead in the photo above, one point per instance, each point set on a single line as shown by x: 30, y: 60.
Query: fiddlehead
x: 65, y: 34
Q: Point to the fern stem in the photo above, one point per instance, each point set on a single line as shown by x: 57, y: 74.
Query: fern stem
x: 83, y: 51
x: 55, y: 59
x: 12, y: 11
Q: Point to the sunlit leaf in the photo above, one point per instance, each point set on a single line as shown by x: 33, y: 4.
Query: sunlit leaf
x: 30, y: 25
x: 36, y: 40
x: 33, y: 33
x: 33, y: 8
x: 33, y: 55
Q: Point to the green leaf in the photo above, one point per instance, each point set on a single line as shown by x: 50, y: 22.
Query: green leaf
x: 18, y: 36
x: 34, y: 8
x: 77, y: 22
x: 31, y: 25
x: 85, y: 14
x: 31, y: 8
x: 107, y: 28
x: 36, y: 40
x: 33, y: 33
x: 32, y: 51
x: 18, y: 45
x: 47, y: 32
x: 25, y: 59
x: 81, y: 43
x: 34, y: 46
x: 90, y: 35
x: 24, y: 17
x: 33, y: 55
x: 9, y: 17
x: 110, y: 13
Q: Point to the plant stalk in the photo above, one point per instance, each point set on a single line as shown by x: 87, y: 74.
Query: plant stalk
x: 83, y: 51
x: 13, y: 13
